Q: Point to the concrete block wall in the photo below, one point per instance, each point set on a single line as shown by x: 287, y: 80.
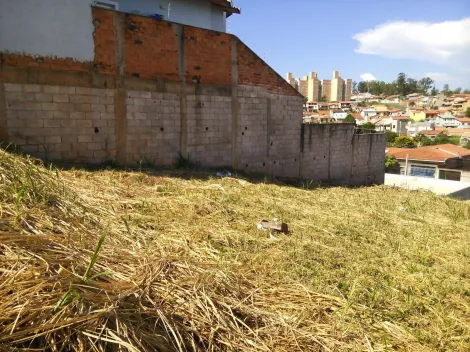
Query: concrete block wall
x: 61, y: 122
x: 153, y: 127
x: 209, y: 129
x: 157, y: 89
x: 332, y: 152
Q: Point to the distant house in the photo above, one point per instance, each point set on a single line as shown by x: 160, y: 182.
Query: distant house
x: 395, y: 124
x: 368, y: 113
x: 446, y: 120
x: 358, y: 117
x: 444, y: 161
x: 432, y: 134
x: 465, y: 138
x: 338, y: 114
x: 463, y: 121
x: 392, y: 99
x: 311, y: 106
x: 414, y: 128
x: 418, y: 115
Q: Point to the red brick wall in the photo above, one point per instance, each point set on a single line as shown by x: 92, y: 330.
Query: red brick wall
x: 150, y: 49
x: 208, y: 56
x: 25, y: 61
x: 253, y: 71
x: 105, y: 41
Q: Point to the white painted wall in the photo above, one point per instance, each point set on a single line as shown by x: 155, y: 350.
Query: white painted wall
x: 198, y: 13
x: 61, y: 28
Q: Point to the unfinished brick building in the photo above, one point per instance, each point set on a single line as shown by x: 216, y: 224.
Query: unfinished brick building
x: 113, y: 85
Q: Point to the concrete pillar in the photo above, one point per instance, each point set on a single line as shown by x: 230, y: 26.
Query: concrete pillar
x: 3, y: 112
x: 235, y: 137
x: 179, y: 36
x: 120, y: 94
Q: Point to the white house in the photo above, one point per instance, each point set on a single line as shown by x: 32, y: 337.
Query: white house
x: 208, y: 14
x: 338, y: 114
x: 446, y: 120
x: 415, y: 128
x: 367, y: 114
x: 463, y: 121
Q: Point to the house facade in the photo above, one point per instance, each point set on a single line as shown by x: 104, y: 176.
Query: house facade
x: 447, y: 121
x: 208, y: 14
x: 445, y: 161
x: 338, y: 114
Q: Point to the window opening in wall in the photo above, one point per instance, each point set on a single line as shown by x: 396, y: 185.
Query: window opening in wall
x: 106, y: 4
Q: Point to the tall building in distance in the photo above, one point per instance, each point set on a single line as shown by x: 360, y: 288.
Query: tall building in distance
x: 314, y: 89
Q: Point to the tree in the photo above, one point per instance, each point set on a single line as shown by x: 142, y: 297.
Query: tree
x: 323, y: 99
x: 445, y: 139
x: 365, y: 128
x: 446, y: 90
x: 362, y: 87
x: 412, y: 103
x: 425, y: 84
x: 457, y: 90
x: 423, y: 140
x: 391, y: 136
x: 404, y: 142
x: 434, y: 91
x: 466, y: 91
x: 349, y: 119
x: 390, y: 161
x: 467, y: 112
x: 412, y: 86
x: 401, y: 83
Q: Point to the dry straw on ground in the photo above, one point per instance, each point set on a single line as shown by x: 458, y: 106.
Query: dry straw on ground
x: 133, y: 261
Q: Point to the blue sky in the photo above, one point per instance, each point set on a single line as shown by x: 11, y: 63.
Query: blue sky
x: 418, y: 37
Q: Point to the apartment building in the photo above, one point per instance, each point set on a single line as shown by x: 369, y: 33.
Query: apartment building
x: 314, y: 88
x: 335, y: 90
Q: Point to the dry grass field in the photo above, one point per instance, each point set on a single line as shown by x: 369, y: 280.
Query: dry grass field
x: 112, y: 260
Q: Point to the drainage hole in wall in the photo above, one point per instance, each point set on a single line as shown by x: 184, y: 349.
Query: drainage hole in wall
x: 295, y: 159
x: 243, y: 133
x: 314, y: 158
x: 246, y: 128
x: 97, y: 130
x: 207, y: 128
x: 264, y: 164
x: 162, y: 129
x: 246, y: 165
x: 271, y: 144
x: 324, y: 156
x: 274, y: 163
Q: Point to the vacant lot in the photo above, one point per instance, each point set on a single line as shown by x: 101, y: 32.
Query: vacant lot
x: 135, y: 261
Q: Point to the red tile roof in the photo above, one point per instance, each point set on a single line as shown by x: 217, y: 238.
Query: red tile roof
x: 463, y: 119
x: 357, y: 116
x: 432, y: 132
x: 437, y: 153
x: 431, y: 112
x: 403, y: 118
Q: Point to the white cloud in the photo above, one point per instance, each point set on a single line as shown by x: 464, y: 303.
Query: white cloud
x: 445, y: 43
x: 368, y: 77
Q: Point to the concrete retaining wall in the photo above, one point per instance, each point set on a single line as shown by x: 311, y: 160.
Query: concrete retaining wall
x: 156, y: 90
